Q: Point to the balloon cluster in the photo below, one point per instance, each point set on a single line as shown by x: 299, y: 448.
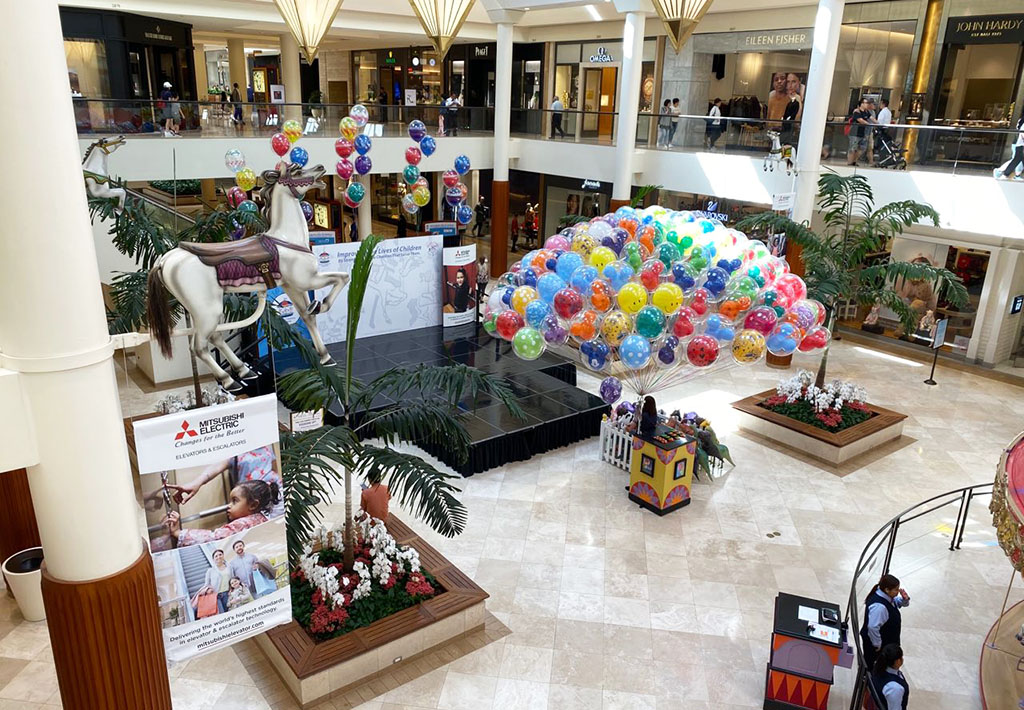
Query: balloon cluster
x: 353, y: 141
x: 418, y: 189
x: 654, y: 289
x: 245, y: 180
x: 456, y: 191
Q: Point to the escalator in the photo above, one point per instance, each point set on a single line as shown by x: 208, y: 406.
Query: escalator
x: 193, y: 565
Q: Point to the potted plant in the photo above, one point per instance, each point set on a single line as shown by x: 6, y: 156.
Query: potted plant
x: 834, y: 258
x: 316, y: 106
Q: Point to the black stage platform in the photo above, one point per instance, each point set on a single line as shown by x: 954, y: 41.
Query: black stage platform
x: 557, y: 413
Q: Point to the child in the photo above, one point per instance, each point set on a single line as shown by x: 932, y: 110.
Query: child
x: 249, y: 505
x: 239, y: 594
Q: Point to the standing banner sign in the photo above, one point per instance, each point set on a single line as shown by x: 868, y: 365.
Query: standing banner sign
x: 459, y: 284
x: 213, y: 494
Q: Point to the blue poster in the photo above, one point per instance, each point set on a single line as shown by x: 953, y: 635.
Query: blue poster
x: 280, y: 302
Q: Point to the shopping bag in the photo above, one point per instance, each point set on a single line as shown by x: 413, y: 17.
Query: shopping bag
x: 260, y: 579
x: 207, y: 605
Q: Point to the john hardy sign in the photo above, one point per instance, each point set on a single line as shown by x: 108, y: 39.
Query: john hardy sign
x: 985, y: 29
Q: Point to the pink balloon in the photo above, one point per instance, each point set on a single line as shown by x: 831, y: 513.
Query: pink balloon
x: 236, y: 196
x: 557, y: 241
x: 344, y: 168
x: 280, y: 143
x: 343, y: 147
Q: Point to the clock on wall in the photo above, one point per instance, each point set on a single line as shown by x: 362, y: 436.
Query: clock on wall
x: 322, y: 215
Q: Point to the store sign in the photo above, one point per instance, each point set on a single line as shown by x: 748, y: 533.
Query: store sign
x: 601, y: 56
x: 712, y: 212
x: 776, y: 39
x: 390, y: 59
x: 985, y: 29
x: 783, y: 201
x: 1018, y: 303
x: 590, y: 185
x: 483, y: 51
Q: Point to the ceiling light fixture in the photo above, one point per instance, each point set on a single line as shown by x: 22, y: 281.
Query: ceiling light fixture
x: 308, y: 21
x: 681, y: 18
x: 441, y: 20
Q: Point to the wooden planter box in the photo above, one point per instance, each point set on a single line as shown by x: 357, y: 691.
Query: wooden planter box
x: 314, y: 670
x: 835, y: 448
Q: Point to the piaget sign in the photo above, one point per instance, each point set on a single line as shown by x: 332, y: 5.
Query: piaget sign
x: 985, y: 29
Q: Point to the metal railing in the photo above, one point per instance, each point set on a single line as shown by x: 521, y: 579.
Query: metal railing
x: 886, y: 537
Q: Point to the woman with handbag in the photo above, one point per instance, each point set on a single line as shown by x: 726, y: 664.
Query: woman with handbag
x: 217, y: 578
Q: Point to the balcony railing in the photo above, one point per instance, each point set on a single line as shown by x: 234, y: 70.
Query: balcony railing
x: 949, y: 149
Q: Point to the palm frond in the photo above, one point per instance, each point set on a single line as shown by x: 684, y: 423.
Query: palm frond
x: 891, y: 300
x: 313, y: 388
x: 422, y: 422
x: 895, y: 273
x: 216, y: 226
x: 128, y: 293
x: 452, y: 383
x: 641, y: 194
x: 359, y: 277
x: 416, y: 485
x: 309, y: 462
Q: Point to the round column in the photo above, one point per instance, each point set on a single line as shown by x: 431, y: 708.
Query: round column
x: 505, y: 20
x: 627, y: 105
x: 238, y: 69
x: 57, y: 339
x: 291, y: 77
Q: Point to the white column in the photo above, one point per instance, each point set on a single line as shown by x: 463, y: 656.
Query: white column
x: 502, y: 100
x: 53, y: 328
x: 628, y: 99
x: 364, y: 213
x: 825, y: 46
x: 238, y: 69
x: 291, y: 77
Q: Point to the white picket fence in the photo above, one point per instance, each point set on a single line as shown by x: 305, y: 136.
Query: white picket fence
x: 616, y: 445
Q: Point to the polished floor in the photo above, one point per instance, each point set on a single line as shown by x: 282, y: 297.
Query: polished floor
x: 597, y: 604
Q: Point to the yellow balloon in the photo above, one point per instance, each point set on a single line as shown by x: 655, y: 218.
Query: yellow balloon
x: 292, y: 129
x: 583, y: 244
x: 521, y: 297
x: 348, y: 127
x: 667, y: 298
x: 421, y: 196
x: 632, y: 297
x: 615, y: 327
x: 601, y: 257
x: 245, y: 179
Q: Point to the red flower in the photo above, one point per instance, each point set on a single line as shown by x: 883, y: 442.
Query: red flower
x: 324, y: 620
x: 317, y: 598
x: 418, y: 586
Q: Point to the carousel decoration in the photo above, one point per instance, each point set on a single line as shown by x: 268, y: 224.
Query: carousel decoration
x: 1007, y: 505
x: 779, y: 154
x: 417, y: 188
x: 97, y: 174
x: 352, y: 141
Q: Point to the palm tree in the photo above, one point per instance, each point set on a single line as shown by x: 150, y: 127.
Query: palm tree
x: 363, y: 443
x: 834, y: 260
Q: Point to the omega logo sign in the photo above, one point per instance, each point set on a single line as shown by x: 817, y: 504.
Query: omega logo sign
x: 601, y: 56
x: 781, y: 39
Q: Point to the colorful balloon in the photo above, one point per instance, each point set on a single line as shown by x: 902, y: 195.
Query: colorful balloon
x: 548, y: 285
x: 635, y: 351
x: 409, y: 204
x: 355, y: 192
x: 234, y: 160
x: 668, y: 298
x: 363, y: 164
x: 413, y: 155
x: 536, y: 312
x: 450, y: 178
x: 348, y: 128
x: 343, y: 147
x: 464, y: 214
x: 292, y: 129
x: 583, y: 326
x: 567, y: 303
x: 307, y: 211
x: 235, y: 196
x: 248, y: 206
x: 420, y: 195
x: 299, y: 156
x: 816, y: 339
x: 427, y: 146
x: 748, y: 346
x: 615, y: 327
x: 360, y: 115
x: 600, y: 257
x: 344, y: 168
x: 245, y: 179
x: 280, y: 144
x: 508, y: 324
x: 528, y: 343
x: 762, y: 319
x: 417, y: 131
x: 462, y: 165
x: 410, y: 174
x: 362, y: 144
x: 650, y: 322
x: 632, y: 297
x: 453, y: 196
x: 594, y: 354
x: 702, y: 351
x: 610, y: 390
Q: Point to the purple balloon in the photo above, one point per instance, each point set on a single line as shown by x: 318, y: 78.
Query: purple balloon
x: 238, y: 232
x: 453, y: 196
x: 611, y: 389
x: 363, y: 164
x: 307, y: 210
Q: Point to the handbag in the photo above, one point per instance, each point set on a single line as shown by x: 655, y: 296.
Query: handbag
x: 261, y: 583
x: 206, y: 605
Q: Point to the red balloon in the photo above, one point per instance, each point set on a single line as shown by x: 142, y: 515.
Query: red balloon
x: 450, y: 178
x: 762, y: 319
x: 236, y: 196
x: 344, y: 169
x: 650, y: 275
x: 568, y: 303
x: 699, y: 301
x: 413, y: 155
x: 816, y: 339
x: 702, y: 351
x: 349, y: 203
x: 508, y: 324
x: 343, y: 147
x: 683, y: 327
x: 280, y: 143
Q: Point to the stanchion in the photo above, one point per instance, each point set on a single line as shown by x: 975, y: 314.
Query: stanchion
x: 931, y: 377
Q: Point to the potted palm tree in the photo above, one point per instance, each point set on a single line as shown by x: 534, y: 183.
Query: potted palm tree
x: 834, y: 258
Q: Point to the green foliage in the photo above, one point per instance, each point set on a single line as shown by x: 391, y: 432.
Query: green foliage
x: 641, y: 194
x: 177, y: 187
x: 803, y: 411
x: 834, y: 259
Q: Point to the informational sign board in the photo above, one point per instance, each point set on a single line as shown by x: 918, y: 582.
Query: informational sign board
x: 783, y: 201
x: 277, y: 93
x: 459, y: 286
x: 404, y: 291
x: 410, y: 97
x: 319, y: 238
x: 213, y: 494
x: 444, y: 229
x: 939, y: 336
x: 1016, y: 304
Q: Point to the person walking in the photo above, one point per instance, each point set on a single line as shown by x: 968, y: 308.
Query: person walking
x: 1017, y: 158
x: 451, y: 118
x: 514, y: 231
x: 382, y: 104
x: 483, y: 277
x: 403, y: 225
x: 859, y: 121
x: 882, y: 619
x: 480, y: 210
x: 664, y: 123
x: 714, y: 122
x: 556, y: 117
x: 676, y: 113
x: 888, y: 681
x: 528, y: 225
x: 236, y: 106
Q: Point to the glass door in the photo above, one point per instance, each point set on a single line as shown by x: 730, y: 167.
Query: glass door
x: 606, y: 122
x: 591, y: 100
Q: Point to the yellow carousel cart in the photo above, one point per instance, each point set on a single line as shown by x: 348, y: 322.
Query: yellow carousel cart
x: 661, y: 470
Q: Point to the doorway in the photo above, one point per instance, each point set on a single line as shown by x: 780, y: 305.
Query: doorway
x: 599, y: 85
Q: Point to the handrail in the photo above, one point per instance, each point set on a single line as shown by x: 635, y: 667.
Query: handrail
x: 156, y: 203
x: 888, y: 533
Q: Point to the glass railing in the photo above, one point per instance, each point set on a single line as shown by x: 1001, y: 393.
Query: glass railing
x: 222, y: 118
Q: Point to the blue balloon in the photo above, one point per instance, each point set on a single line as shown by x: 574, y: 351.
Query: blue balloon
x: 715, y: 280
x: 299, y: 156
x: 618, y: 274
x: 719, y: 329
x: 635, y: 351
x: 506, y: 295
x: 528, y: 277
x: 728, y: 265
x: 462, y: 165
x: 594, y: 354
x: 536, y: 311
x: 307, y: 210
x: 567, y: 264
x: 362, y: 144
x: 548, y: 285
x: 779, y: 344
x: 428, y: 145
x: 687, y: 217
x: 666, y: 354
x: 706, y: 225
x: 583, y: 277
x: 683, y: 276
x: 464, y: 214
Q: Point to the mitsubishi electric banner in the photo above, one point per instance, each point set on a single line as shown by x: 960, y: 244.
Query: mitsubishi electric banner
x: 459, y: 285
x: 213, y: 496
x: 404, y: 291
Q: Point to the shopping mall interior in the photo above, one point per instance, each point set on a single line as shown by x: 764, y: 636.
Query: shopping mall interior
x: 625, y: 354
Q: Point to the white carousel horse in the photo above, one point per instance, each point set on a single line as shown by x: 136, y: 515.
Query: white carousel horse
x: 97, y: 176
x: 199, y: 275
x: 779, y: 153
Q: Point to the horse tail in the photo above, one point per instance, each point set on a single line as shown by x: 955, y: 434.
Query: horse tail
x: 157, y: 311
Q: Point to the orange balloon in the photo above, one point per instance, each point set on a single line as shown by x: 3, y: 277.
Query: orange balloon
x: 600, y: 296
x: 647, y: 240
x: 629, y: 224
x: 585, y: 327
x: 793, y: 318
x: 729, y: 309
x: 540, y: 261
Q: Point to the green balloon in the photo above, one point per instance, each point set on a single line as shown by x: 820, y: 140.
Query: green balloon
x: 672, y: 237
x: 491, y: 324
x: 685, y: 243
x: 668, y: 252
x: 528, y: 343
x: 744, y: 286
x: 699, y: 259
x: 411, y: 174
x: 650, y: 322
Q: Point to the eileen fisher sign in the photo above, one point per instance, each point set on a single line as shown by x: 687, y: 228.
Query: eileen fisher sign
x: 776, y: 39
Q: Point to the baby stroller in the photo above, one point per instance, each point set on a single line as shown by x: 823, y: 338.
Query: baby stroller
x: 890, y: 151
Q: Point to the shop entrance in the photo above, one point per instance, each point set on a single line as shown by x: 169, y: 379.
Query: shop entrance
x: 599, y: 84
x: 979, y: 83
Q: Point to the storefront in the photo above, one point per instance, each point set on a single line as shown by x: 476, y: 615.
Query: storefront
x: 115, y: 55
x: 408, y: 76
x: 471, y: 70
x: 587, y: 80
x: 572, y: 197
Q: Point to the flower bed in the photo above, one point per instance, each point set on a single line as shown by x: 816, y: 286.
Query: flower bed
x: 836, y: 406
x: 387, y: 578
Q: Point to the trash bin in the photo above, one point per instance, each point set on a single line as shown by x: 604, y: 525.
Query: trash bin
x: 24, y: 578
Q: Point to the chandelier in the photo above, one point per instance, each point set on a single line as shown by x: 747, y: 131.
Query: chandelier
x: 309, y: 21
x: 441, y: 20
x: 681, y: 18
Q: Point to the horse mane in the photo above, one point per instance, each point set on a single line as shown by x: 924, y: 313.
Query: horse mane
x: 90, y: 149
x: 270, y: 178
